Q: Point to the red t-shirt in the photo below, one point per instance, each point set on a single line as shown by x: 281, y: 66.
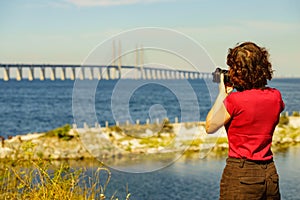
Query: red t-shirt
x: 254, y: 116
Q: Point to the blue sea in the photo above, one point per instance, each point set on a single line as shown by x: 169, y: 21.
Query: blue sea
x: 37, y: 106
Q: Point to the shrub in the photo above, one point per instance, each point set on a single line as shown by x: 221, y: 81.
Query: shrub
x: 116, y: 129
x: 61, y: 132
x: 283, y: 120
x: 296, y: 114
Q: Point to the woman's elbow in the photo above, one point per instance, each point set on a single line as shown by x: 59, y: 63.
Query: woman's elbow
x: 212, y: 126
x: 209, y: 129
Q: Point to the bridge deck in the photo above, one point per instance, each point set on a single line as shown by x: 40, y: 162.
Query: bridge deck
x: 104, y: 72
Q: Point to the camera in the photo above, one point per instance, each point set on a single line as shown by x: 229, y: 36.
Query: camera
x: 217, y: 73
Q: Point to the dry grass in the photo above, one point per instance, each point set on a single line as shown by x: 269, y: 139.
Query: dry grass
x: 39, y: 180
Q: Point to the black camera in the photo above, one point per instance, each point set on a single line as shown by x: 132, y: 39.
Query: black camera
x: 217, y: 73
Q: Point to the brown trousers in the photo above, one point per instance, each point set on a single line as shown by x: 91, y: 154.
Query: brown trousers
x: 248, y: 180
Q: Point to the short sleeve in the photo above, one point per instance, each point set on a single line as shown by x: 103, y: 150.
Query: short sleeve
x: 229, y: 104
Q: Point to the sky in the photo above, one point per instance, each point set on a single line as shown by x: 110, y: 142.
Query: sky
x: 66, y: 31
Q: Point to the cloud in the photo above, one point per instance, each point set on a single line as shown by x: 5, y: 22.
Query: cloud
x: 87, y: 3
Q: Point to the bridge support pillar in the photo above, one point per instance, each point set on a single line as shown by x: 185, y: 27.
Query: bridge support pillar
x: 108, y: 73
x: 52, y: 74
x: 145, y: 75
x: 99, y: 74
x: 181, y: 75
x: 162, y: 75
x: 6, y: 74
x: 186, y: 75
x: 168, y: 74
x: 112, y: 73
x: 30, y: 73
x: 119, y: 70
x: 42, y: 73
x: 142, y: 73
x: 105, y: 73
x: 63, y: 74
x: 177, y: 75
x: 195, y: 75
x: 158, y: 72
x: 172, y: 74
x: 135, y: 71
x: 19, y: 74
x: 91, y: 74
x: 148, y: 74
x: 72, y: 73
x: 153, y: 74
x: 200, y: 75
x: 81, y: 73
x: 165, y: 74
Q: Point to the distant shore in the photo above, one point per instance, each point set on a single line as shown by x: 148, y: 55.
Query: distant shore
x: 116, y: 141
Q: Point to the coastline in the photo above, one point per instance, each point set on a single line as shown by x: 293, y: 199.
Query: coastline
x: 129, y: 141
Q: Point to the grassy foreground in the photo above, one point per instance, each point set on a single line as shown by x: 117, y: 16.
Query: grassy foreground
x: 40, y: 180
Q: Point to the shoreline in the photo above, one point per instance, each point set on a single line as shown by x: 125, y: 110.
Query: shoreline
x: 131, y: 141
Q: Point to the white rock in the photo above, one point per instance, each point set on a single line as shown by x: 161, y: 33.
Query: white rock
x: 294, y: 121
x: 297, y: 139
x: 287, y: 140
x: 5, y: 152
x: 31, y: 136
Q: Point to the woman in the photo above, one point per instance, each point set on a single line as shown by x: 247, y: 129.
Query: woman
x: 250, y: 115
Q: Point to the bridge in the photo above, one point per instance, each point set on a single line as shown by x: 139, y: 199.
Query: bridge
x: 91, y: 72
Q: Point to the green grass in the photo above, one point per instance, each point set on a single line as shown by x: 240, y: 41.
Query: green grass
x: 219, y: 140
x: 155, y: 142
x: 61, y: 132
x: 222, y: 140
x: 195, y: 142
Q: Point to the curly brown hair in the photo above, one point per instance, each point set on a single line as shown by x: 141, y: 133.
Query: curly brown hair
x: 249, y: 66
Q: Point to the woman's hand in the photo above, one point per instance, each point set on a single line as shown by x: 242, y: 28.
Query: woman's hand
x: 224, y: 90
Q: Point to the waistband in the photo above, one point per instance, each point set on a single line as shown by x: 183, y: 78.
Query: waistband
x: 243, y: 161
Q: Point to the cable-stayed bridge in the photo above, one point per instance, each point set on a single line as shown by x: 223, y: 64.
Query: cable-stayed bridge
x: 92, y: 72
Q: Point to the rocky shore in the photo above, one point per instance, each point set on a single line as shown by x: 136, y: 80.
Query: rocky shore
x: 116, y: 141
